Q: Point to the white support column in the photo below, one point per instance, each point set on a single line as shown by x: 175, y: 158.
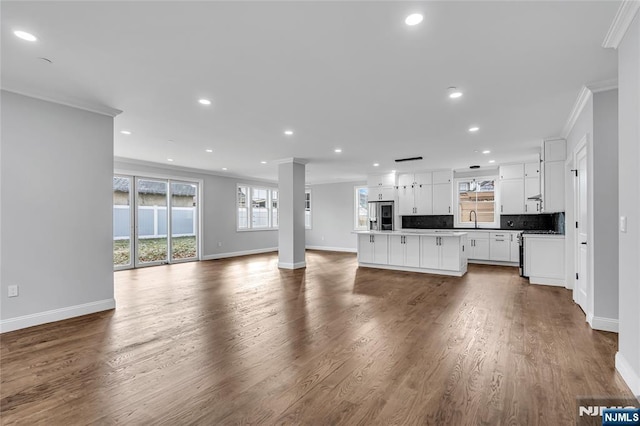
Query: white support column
x: 291, y: 231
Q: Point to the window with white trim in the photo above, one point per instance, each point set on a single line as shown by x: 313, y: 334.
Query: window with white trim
x: 257, y: 208
x: 361, y: 208
x: 476, y: 203
x: 307, y: 208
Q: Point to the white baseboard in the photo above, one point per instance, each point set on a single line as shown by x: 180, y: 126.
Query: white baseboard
x: 493, y: 262
x: 414, y: 269
x: 239, y: 253
x: 54, y: 315
x: 558, y: 282
x: 603, y: 324
x: 325, y: 248
x: 296, y: 265
x: 632, y: 378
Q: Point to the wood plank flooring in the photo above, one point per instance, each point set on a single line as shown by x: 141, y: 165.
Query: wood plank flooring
x: 238, y: 341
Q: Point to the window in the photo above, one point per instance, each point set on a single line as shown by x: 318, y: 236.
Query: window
x: 307, y: 208
x: 476, y: 203
x: 361, y: 208
x: 257, y: 208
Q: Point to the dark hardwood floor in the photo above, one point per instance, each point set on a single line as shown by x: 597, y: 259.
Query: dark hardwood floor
x: 238, y: 341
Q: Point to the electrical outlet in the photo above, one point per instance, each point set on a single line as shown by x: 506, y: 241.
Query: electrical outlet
x: 623, y: 224
x: 12, y: 291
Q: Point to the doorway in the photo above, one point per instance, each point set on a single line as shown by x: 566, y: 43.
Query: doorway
x: 155, y: 221
x: 581, y: 240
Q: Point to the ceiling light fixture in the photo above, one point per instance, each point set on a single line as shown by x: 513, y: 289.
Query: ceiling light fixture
x: 288, y: 132
x: 224, y: 168
x: 263, y: 162
x: 474, y: 129
x: 205, y: 101
x: 376, y: 164
x: 454, y: 93
x: 486, y: 151
x: 209, y: 150
x: 337, y: 150
x: 492, y: 161
x: 413, y: 19
x: 25, y: 35
x: 169, y: 159
x: 125, y: 132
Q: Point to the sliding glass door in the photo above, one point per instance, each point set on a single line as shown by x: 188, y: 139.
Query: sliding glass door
x: 155, y: 221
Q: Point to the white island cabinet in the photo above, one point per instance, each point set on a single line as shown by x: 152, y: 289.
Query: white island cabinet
x: 442, y: 253
x: 544, y: 259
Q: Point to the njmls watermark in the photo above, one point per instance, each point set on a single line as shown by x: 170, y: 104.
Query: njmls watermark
x: 608, y: 411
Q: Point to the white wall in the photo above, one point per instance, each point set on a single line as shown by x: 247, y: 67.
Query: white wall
x: 333, y: 216
x: 598, y: 120
x: 56, y: 194
x: 628, y: 356
x: 218, y: 210
x: 605, y: 206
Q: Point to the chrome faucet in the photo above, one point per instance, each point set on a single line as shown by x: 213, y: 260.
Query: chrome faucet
x: 475, y: 217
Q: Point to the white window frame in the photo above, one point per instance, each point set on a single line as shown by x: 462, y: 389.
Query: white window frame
x: 496, y: 201
x: 269, y: 205
x: 308, y: 191
x: 356, y: 206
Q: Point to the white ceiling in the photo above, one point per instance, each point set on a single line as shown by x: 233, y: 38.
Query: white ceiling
x: 340, y: 74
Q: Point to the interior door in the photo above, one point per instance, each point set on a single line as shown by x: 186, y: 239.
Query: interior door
x: 582, y: 237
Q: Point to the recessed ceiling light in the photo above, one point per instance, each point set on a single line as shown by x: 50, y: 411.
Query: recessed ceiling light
x: 125, y: 132
x: 288, y: 132
x: 263, y: 162
x: 25, y: 35
x: 492, y: 161
x: 205, y: 101
x: 474, y: 129
x: 338, y: 150
x: 169, y: 159
x: 454, y: 93
x: 209, y: 150
x: 224, y: 168
x: 376, y: 164
x: 413, y: 19
x: 486, y: 151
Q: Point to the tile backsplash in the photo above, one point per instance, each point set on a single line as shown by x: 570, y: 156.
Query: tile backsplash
x: 539, y: 222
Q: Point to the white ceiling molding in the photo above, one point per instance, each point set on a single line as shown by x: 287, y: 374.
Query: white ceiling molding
x: 581, y: 102
x: 98, y: 109
x: 291, y: 160
x: 603, y: 86
x: 627, y: 11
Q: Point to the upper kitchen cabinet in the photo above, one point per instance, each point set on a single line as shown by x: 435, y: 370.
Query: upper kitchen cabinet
x: 382, y: 187
x: 512, y: 200
x: 532, y: 187
x: 553, y: 175
x: 442, y: 192
x: 387, y: 179
x: 415, y: 193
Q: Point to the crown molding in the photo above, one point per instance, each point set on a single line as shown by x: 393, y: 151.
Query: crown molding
x: 581, y: 102
x: 602, y: 86
x: 626, y: 12
x: 96, y: 108
x: 583, y: 97
x: 291, y: 160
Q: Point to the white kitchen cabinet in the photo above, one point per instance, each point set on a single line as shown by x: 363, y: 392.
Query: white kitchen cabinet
x: 373, y: 248
x: 512, y: 171
x: 404, y: 250
x: 442, y: 177
x: 386, y: 179
x: 512, y: 196
x: 441, y: 252
x: 553, y: 194
x: 554, y: 150
x: 415, y: 194
x: 442, y: 198
x: 531, y: 189
x: 478, y: 245
x: 382, y: 193
x: 499, y: 247
x: 532, y: 170
x: 544, y: 259
x: 514, y: 247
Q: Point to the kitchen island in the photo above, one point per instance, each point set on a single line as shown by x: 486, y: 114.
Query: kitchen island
x: 433, y: 252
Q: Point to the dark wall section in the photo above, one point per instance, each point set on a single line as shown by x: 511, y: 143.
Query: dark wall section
x: 538, y: 222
